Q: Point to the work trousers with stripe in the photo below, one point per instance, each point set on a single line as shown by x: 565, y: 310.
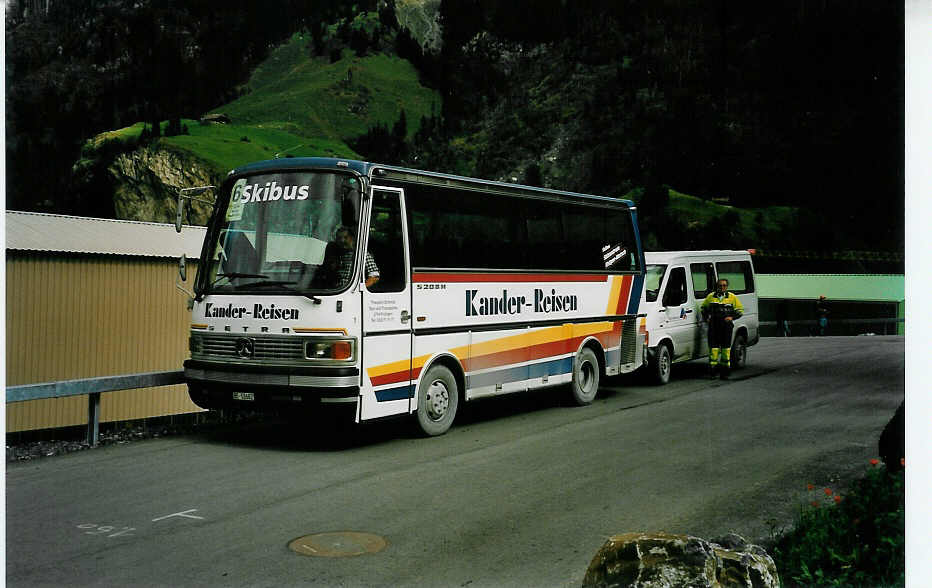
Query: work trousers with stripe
x: 720, y: 345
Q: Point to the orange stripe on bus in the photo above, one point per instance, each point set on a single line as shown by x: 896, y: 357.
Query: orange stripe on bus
x: 505, y: 277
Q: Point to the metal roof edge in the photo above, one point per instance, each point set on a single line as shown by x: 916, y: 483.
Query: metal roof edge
x: 48, y: 233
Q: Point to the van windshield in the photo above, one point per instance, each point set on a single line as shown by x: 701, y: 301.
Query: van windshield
x: 653, y: 281
x: 280, y: 232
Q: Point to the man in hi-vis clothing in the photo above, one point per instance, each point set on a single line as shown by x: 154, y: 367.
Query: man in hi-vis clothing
x: 721, y: 308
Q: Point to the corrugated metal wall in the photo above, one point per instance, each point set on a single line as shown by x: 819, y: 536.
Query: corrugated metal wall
x: 82, y: 316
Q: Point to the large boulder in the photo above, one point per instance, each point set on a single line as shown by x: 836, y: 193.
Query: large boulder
x: 892, y: 442
x: 655, y: 560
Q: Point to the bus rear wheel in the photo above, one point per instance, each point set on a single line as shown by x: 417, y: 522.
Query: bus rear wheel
x: 437, y: 401
x: 585, y: 377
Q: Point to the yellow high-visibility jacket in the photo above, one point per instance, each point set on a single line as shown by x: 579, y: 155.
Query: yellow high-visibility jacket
x: 719, y: 307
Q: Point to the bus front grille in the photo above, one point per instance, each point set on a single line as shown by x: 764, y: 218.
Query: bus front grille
x: 258, y: 348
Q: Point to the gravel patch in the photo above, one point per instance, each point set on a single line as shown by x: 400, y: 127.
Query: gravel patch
x: 41, y: 444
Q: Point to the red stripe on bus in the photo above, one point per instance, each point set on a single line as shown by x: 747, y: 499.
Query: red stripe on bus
x: 624, y: 295
x: 446, y: 277
x: 523, y: 354
x: 395, y: 377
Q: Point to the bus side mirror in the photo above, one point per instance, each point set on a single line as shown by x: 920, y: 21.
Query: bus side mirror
x: 190, y: 193
x: 183, y: 274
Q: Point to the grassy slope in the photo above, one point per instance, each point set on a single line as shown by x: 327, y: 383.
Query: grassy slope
x: 315, y: 98
x: 303, y: 107
x: 699, y: 212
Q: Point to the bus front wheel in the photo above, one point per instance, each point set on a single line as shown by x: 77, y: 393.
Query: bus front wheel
x: 585, y: 377
x: 437, y: 401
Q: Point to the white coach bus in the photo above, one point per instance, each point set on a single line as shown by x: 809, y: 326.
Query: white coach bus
x: 457, y: 289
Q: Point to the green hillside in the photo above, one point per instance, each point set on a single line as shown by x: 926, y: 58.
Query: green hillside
x: 338, y: 101
x: 688, y: 222
x: 700, y: 212
x: 296, y: 105
x: 226, y: 146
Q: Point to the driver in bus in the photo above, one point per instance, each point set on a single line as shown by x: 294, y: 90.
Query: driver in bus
x: 346, y: 240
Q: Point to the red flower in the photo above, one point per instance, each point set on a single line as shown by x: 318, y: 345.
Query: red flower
x: 875, y: 461
x: 814, y: 503
x: 837, y: 499
x: 828, y: 491
x: 810, y: 487
x: 903, y: 461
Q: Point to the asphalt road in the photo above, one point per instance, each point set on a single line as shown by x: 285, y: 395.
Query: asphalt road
x: 521, y: 492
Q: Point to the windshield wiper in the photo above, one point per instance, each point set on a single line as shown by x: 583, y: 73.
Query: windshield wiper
x: 280, y: 283
x: 234, y: 275
x: 265, y: 283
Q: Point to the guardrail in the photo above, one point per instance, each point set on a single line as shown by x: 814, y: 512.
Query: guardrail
x: 833, y: 322
x: 864, y: 321
x: 93, y: 388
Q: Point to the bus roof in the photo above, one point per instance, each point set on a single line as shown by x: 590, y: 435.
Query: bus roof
x: 401, y: 174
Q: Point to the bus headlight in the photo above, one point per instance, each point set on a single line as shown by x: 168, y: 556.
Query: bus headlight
x: 333, y: 349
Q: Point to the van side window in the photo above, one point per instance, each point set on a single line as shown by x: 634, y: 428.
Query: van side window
x: 652, y: 282
x: 739, y: 275
x: 703, y: 275
x: 675, y: 294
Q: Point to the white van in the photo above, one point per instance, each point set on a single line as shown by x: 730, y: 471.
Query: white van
x: 675, y: 285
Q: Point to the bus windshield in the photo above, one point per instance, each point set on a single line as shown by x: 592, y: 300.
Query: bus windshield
x: 285, y: 232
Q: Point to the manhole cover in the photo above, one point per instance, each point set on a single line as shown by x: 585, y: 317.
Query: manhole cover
x: 338, y: 544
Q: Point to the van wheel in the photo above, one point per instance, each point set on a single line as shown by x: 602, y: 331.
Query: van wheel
x: 585, y: 377
x: 662, y: 365
x: 739, y: 352
x: 437, y: 401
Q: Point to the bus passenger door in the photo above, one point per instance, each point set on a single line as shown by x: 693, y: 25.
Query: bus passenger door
x: 386, y: 310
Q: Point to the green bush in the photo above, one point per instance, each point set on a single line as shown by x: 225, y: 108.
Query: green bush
x: 853, y: 540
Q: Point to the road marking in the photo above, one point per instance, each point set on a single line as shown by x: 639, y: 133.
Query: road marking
x: 107, y: 530
x: 184, y: 514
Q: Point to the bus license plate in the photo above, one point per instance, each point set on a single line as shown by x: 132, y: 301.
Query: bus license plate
x: 244, y: 396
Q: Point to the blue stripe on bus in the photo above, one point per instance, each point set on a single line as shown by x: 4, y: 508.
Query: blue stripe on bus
x: 516, y: 374
x: 634, y: 298
x: 397, y: 393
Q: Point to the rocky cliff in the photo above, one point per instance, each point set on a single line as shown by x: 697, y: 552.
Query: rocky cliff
x: 146, y: 183
x: 422, y: 19
x: 142, y: 180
